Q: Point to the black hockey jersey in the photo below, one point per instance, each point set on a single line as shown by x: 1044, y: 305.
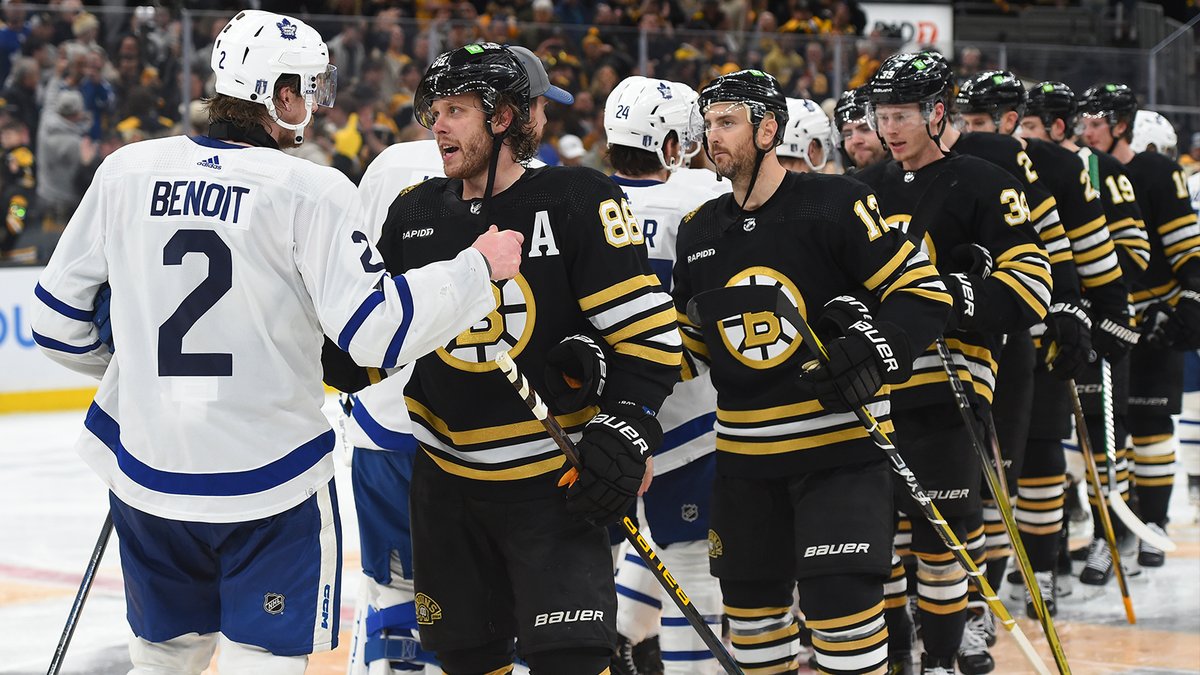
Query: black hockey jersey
x: 1125, y: 224
x: 817, y: 237
x: 1161, y: 191
x: 584, y: 270
x: 1009, y: 154
x: 986, y: 207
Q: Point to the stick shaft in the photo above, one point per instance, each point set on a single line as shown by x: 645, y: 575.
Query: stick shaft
x: 85, y: 587
x: 1093, y: 474
x: 635, y: 538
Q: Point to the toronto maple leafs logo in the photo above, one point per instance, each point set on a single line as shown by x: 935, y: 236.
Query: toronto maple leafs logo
x: 287, y: 30
x: 665, y: 90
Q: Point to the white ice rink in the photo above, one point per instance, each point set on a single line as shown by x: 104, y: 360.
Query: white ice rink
x: 52, y: 507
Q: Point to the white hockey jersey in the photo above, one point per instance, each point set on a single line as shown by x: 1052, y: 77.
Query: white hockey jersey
x: 227, y: 265
x: 688, y: 414
x: 379, y: 419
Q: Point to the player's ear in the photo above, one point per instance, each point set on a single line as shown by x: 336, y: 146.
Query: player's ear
x: 502, y: 118
x: 766, y: 131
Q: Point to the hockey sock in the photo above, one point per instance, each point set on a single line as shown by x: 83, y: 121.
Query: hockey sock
x: 1039, y: 515
x: 235, y: 657
x: 187, y: 654
x: 574, y: 661
x: 762, y: 629
x: 942, y: 601
x: 895, y: 611
x: 1122, y: 471
x: 845, y: 613
x: 683, y: 650
x: 1188, y: 433
x: 1154, y: 475
x: 996, y: 542
x: 639, y: 598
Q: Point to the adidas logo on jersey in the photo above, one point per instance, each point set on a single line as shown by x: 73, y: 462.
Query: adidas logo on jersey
x: 213, y: 162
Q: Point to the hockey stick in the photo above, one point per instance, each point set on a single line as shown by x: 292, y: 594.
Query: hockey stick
x: 1000, y: 493
x: 1118, y: 505
x: 639, y: 543
x: 1093, y: 475
x: 736, y: 300
x: 85, y: 587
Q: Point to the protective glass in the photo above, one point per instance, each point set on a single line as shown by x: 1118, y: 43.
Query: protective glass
x: 691, y: 137
x: 901, y: 118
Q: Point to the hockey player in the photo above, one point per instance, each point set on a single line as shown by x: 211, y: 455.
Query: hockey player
x: 653, y: 127
x: 379, y: 430
x: 994, y: 101
x: 1051, y: 114
x: 808, y: 139
x: 802, y: 495
x: 859, y: 143
x: 485, y: 489
x: 984, y: 234
x: 1166, y: 299
x: 227, y: 260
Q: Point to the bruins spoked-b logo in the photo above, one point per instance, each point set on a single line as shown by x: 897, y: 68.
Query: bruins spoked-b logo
x: 507, y: 328
x: 715, y: 548
x: 761, y: 340
x: 427, y: 610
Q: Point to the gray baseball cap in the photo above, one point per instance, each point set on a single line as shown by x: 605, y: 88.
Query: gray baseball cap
x: 539, y: 81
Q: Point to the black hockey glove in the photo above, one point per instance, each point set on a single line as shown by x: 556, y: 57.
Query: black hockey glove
x: 613, y: 451
x: 575, y: 372
x: 840, y: 314
x: 859, y: 365
x: 1112, y: 338
x: 1068, y: 339
x: 1181, y: 327
x: 974, y: 258
x: 962, y: 289
x: 101, y: 316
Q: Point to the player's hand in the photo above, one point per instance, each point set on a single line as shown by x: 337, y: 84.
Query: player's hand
x: 1112, y: 338
x: 850, y: 379
x: 975, y: 259
x: 1069, y: 331
x: 502, y: 250
x: 614, y: 451
x: 840, y: 314
x: 962, y: 290
x: 1181, y: 330
x: 575, y: 373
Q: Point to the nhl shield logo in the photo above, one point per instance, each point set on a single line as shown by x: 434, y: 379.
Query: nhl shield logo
x: 476, y: 207
x: 428, y: 611
x: 690, y: 512
x: 273, y: 603
x: 749, y: 224
x: 287, y: 30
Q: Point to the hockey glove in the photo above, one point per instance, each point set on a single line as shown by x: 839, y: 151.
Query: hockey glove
x: 962, y: 289
x: 1181, y: 329
x: 1112, y: 338
x: 101, y: 316
x: 974, y: 258
x: 859, y: 365
x: 1069, y: 339
x: 613, y: 452
x: 575, y: 372
x: 840, y: 314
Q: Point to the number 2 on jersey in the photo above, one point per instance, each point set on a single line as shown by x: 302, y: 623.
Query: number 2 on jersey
x: 172, y: 361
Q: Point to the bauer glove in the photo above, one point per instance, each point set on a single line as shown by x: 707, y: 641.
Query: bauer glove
x: 613, y: 454
x: 962, y: 289
x: 575, y: 373
x: 860, y: 363
x: 1069, y: 340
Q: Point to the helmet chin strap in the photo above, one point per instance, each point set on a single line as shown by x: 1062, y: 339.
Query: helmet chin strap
x: 298, y: 128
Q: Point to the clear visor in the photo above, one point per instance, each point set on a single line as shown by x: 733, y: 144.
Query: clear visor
x: 324, y: 90
x: 720, y: 109
x: 691, y: 137
x: 900, y: 117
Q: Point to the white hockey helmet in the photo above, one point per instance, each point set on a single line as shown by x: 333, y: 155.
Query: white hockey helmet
x: 1151, y: 128
x: 806, y: 122
x: 641, y: 111
x: 255, y: 48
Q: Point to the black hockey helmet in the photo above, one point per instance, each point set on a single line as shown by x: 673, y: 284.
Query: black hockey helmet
x: 1049, y: 101
x: 487, y: 69
x: 759, y: 91
x: 992, y: 91
x: 851, y: 107
x: 914, y: 77
x: 1112, y: 101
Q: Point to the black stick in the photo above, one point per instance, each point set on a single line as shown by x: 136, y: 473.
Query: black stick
x: 85, y: 587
